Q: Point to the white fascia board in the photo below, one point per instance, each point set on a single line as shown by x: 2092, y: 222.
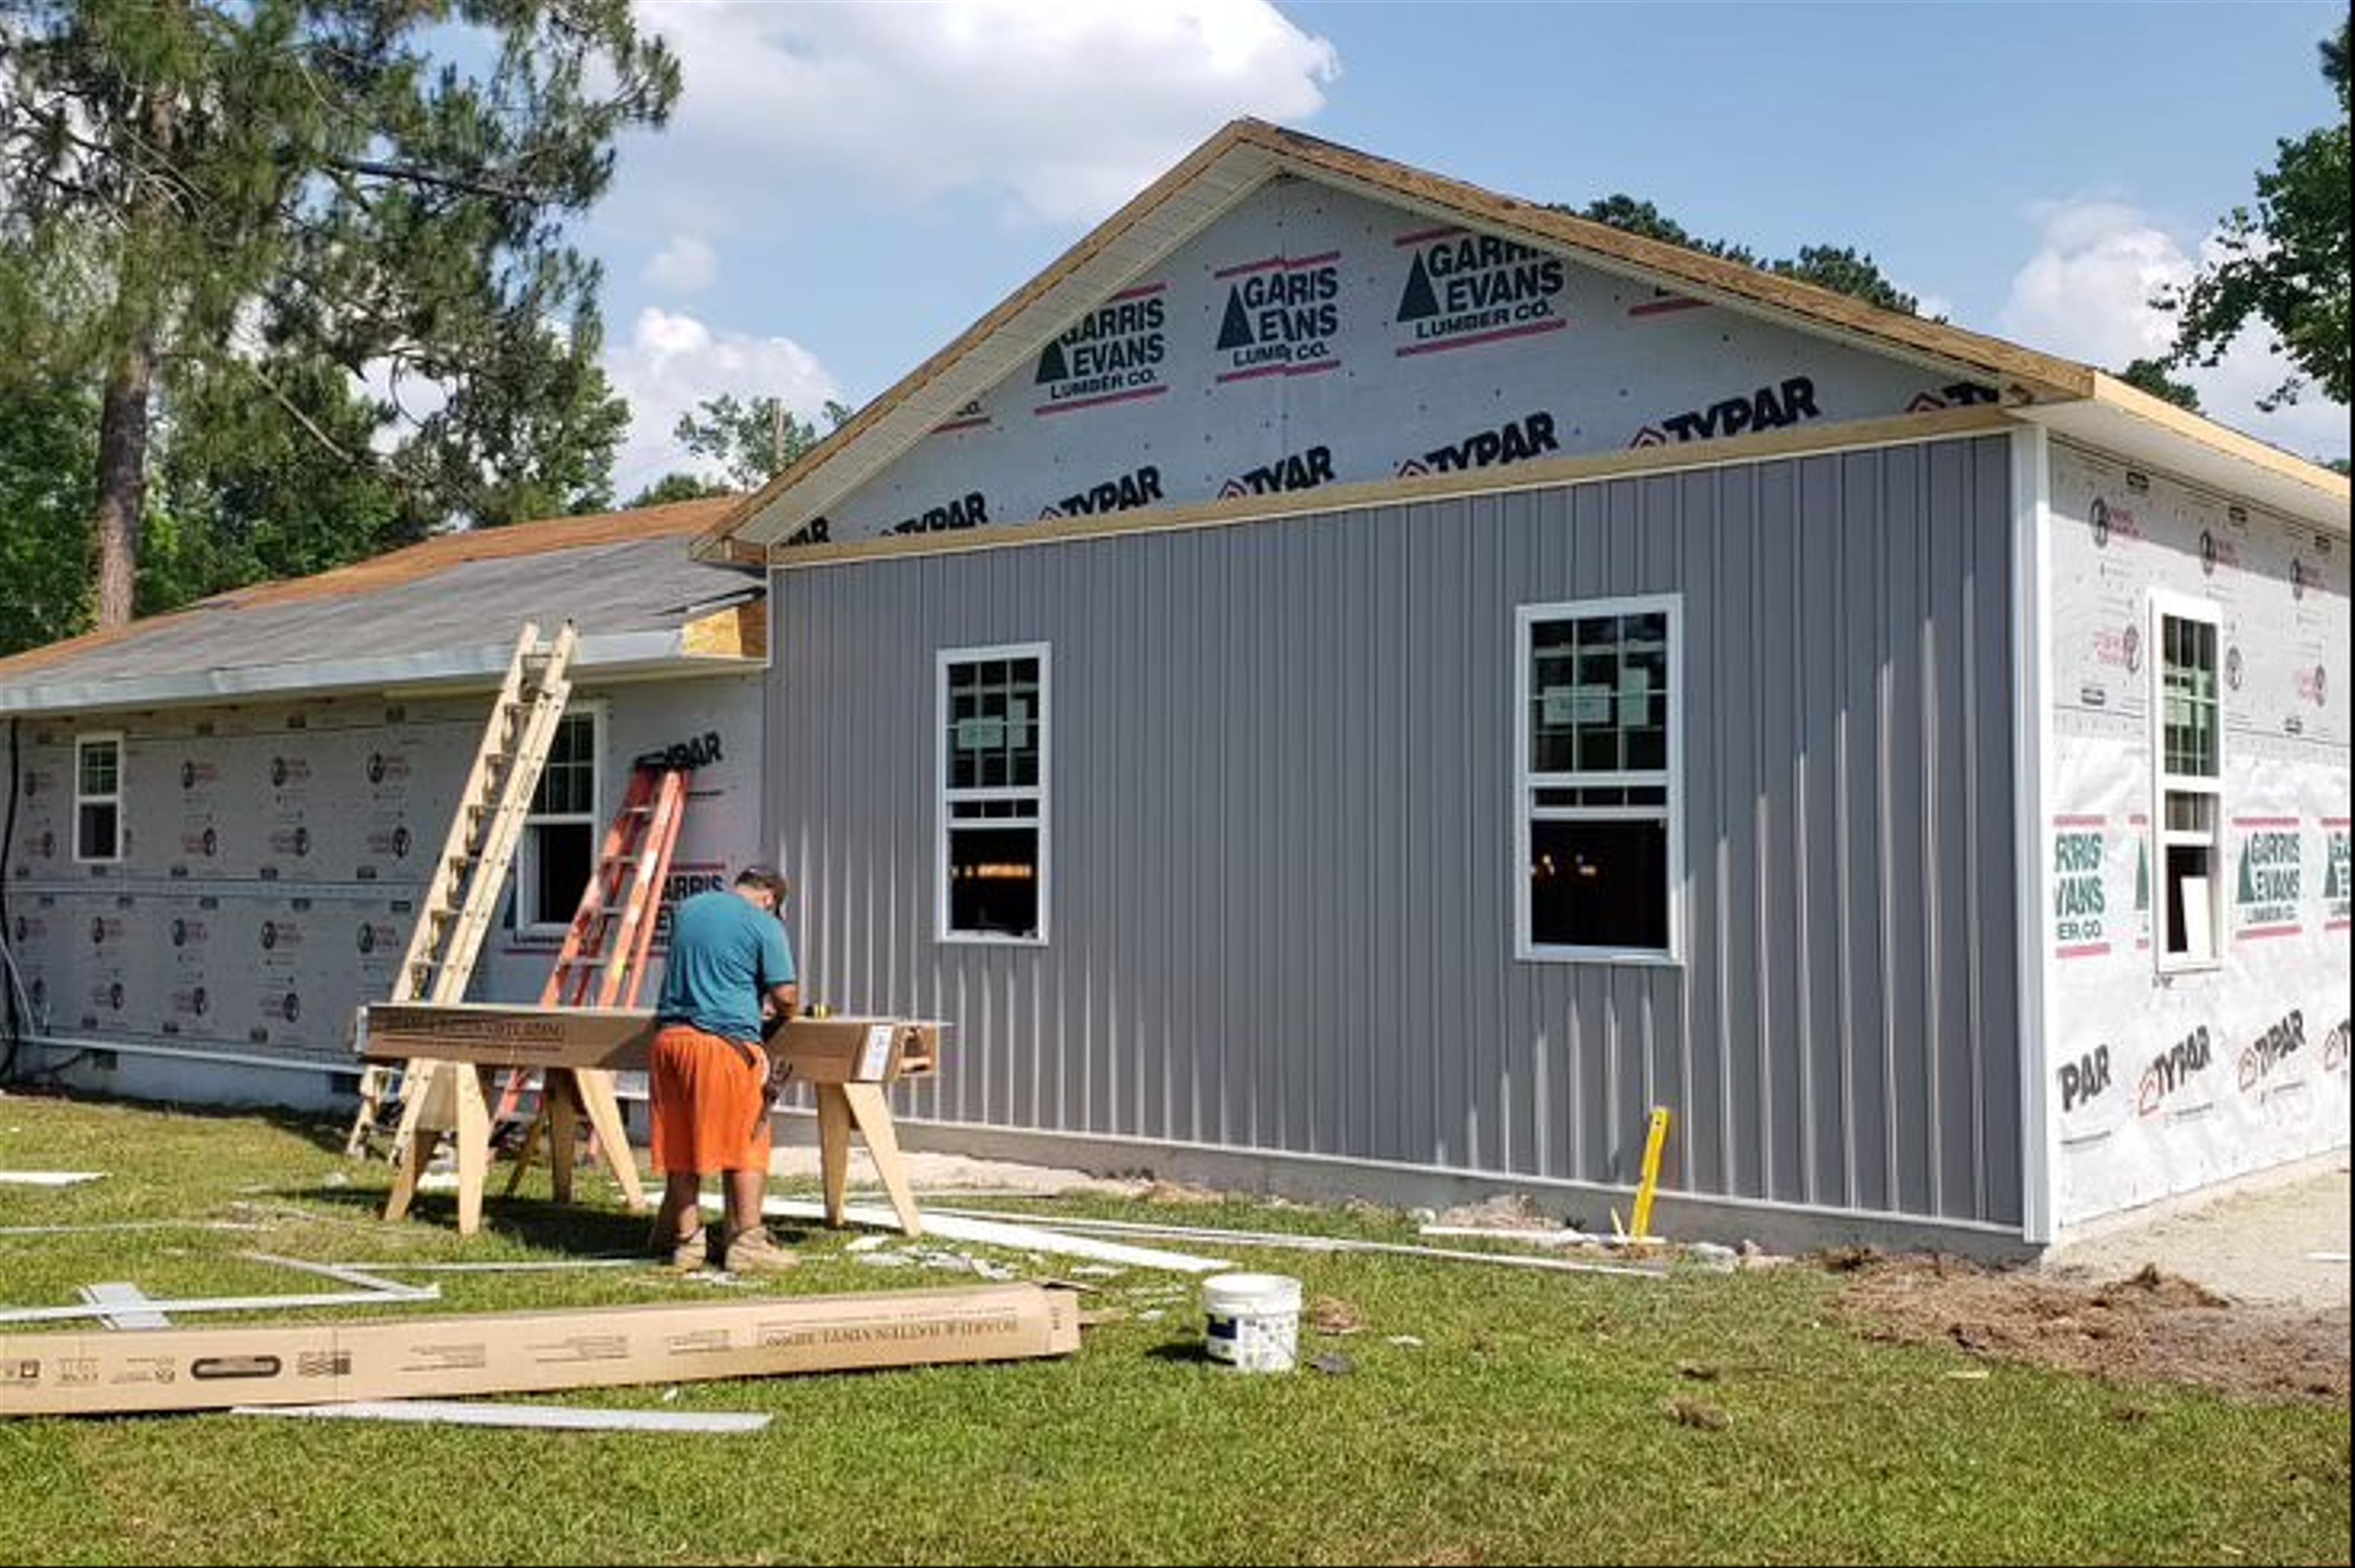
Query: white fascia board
x: 615, y: 655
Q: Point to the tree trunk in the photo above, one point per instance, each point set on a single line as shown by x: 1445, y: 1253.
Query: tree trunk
x: 122, y: 476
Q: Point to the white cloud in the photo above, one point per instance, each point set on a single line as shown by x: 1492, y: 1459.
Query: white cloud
x: 674, y: 361
x: 2086, y: 294
x: 1066, y: 108
x: 685, y: 266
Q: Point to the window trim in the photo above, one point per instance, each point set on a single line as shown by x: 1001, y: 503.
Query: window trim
x: 1526, y: 617
x: 527, y: 870
x: 122, y: 754
x: 944, y: 659
x: 2165, y: 606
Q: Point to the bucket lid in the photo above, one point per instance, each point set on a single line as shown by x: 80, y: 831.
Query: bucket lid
x: 1252, y: 1289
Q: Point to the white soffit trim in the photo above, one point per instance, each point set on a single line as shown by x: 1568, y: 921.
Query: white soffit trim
x: 618, y: 655
x: 2211, y: 456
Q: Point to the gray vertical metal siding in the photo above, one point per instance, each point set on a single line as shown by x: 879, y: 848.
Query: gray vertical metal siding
x: 1281, y: 820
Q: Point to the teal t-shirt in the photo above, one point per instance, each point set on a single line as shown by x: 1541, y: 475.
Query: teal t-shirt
x: 725, y: 956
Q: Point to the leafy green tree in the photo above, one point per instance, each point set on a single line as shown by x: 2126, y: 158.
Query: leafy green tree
x: 48, y: 427
x: 242, y: 493
x: 1840, y: 268
x: 273, y: 192
x: 2287, y: 263
x: 1844, y: 270
x: 679, y: 486
x: 2150, y: 376
x: 753, y: 439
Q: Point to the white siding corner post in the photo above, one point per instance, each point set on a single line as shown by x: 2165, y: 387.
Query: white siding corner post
x: 2031, y: 758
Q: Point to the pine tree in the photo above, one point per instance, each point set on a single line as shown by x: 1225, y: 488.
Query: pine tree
x: 279, y: 198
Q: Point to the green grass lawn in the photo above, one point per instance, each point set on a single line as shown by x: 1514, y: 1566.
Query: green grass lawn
x: 1529, y: 1424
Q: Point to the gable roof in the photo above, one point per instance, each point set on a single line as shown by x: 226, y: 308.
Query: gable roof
x: 446, y: 611
x: 1247, y: 154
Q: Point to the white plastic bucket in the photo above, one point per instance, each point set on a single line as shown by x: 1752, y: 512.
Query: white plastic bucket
x: 1254, y: 1321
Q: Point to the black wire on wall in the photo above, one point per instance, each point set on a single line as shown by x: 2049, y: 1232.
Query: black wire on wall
x: 12, y: 1022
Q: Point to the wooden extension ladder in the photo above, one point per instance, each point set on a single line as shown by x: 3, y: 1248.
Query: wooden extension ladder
x: 458, y: 906
x: 602, y: 964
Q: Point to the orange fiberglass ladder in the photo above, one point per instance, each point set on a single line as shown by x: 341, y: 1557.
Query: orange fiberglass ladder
x: 602, y: 964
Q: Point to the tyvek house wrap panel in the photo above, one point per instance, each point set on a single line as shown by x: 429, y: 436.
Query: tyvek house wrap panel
x: 1312, y: 336
x: 2161, y: 1083
x: 275, y: 853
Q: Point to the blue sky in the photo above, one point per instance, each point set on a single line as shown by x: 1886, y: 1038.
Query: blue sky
x: 846, y: 185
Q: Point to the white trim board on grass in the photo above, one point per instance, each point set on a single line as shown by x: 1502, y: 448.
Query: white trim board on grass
x: 1304, y: 1243
x: 47, y: 1178
x: 996, y: 1232
x: 405, y: 1296
x: 561, y: 1417
x: 128, y: 1307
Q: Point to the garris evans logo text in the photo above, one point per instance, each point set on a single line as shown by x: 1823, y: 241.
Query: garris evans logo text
x: 1463, y: 289
x: 1114, y: 354
x: 2268, y: 883
x: 2078, y: 898
x: 1279, y: 318
x: 2335, y: 872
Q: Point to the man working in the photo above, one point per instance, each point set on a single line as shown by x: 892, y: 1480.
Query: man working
x: 730, y: 965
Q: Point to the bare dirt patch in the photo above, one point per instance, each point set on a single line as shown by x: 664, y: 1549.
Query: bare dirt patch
x: 2147, y: 1327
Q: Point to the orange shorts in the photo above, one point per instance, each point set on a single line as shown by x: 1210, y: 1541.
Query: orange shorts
x: 710, y: 1112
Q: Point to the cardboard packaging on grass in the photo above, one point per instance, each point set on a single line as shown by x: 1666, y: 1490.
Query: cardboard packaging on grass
x: 105, y: 1371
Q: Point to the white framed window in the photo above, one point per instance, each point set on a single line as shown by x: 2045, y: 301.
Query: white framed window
x: 991, y: 725
x: 2187, y: 769
x: 98, y: 798
x: 1598, y: 791
x: 560, y: 833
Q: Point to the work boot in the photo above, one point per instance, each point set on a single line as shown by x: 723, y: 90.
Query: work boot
x: 686, y: 1251
x: 754, y: 1252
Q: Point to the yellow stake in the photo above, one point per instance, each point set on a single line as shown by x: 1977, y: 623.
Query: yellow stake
x: 1652, y: 1142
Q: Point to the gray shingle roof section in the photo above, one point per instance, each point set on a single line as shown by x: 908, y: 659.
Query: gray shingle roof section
x: 645, y: 585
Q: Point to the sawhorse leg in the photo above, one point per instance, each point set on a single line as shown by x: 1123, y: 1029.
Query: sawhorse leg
x: 457, y: 1091
x: 566, y: 1094
x: 594, y: 1085
x: 412, y: 1143
x: 473, y: 1135
x: 840, y: 1107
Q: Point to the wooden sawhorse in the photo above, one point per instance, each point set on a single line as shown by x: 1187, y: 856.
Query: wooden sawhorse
x: 847, y: 1061
x: 848, y: 1064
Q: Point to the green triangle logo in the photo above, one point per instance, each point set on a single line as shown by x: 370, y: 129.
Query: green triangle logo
x: 2142, y: 877
x: 1051, y: 363
x: 1235, y: 331
x: 2248, y: 877
x: 1418, y: 300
